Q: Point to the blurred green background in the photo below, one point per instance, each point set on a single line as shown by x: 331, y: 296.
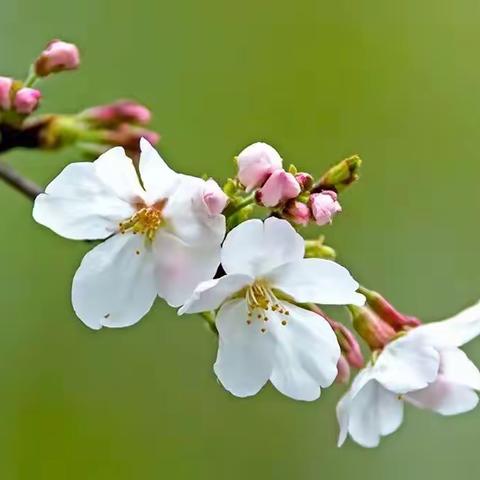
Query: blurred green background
x: 396, y: 82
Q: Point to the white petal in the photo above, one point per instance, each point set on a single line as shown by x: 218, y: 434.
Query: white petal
x: 158, y: 178
x: 116, y: 170
x: 211, y: 294
x: 374, y: 412
x: 245, y: 355
x: 181, y: 267
x: 306, y: 354
x: 256, y: 247
x: 406, y: 364
x: 318, y: 281
x: 444, y: 397
x: 78, y: 205
x: 454, y: 331
x: 344, y: 405
x: 115, y: 283
x: 187, y: 215
x: 456, y: 367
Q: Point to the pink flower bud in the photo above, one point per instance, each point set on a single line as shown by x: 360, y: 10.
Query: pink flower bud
x: 371, y: 327
x: 280, y: 187
x: 122, y: 111
x: 26, y: 100
x: 256, y: 163
x: 298, y: 213
x: 214, y: 198
x: 387, y: 312
x: 324, y: 206
x: 128, y: 136
x: 343, y: 370
x: 305, y: 180
x: 58, y: 56
x: 5, y: 90
x: 348, y: 343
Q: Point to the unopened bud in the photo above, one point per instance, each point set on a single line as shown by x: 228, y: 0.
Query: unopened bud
x: 26, y: 100
x: 214, y: 198
x: 305, y: 180
x: 5, y: 92
x: 348, y: 344
x: 387, y: 312
x: 371, y: 327
x: 297, y: 212
x: 280, y: 187
x: 123, y: 111
x: 324, y: 206
x: 256, y: 163
x: 129, y: 137
x: 317, y: 249
x: 343, y: 370
x: 340, y: 175
x: 58, y: 56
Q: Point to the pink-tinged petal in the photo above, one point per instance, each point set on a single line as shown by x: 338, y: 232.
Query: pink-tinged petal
x: 444, y: 397
x: 245, y: 355
x: 214, y: 198
x: 306, y: 354
x: 211, y: 294
x: 255, y: 163
x: 115, y: 284
x: 187, y: 218
x: 116, y: 171
x: 180, y: 267
x: 456, y: 367
x: 407, y: 364
x: 158, y: 179
x: 452, y: 332
x: 78, y: 205
x: 255, y: 247
x: 318, y: 281
x: 280, y: 187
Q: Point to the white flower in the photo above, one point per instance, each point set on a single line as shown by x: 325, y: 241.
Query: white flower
x: 263, y: 334
x: 161, y: 238
x: 425, y: 368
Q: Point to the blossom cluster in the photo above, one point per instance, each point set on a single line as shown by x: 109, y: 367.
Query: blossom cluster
x: 236, y: 254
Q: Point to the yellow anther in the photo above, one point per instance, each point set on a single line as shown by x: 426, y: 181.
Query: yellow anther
x: 146, y: 221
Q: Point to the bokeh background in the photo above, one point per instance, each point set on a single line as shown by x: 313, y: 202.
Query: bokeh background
x: 396, y: 82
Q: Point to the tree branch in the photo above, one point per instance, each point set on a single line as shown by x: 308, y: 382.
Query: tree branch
x: 18, y: 182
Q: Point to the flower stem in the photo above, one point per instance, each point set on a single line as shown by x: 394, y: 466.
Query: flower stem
x: 209, y: 317
x: 18, y: 182
x: 31, y: 78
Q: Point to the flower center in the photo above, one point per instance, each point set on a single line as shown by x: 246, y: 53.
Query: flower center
x: 260, y: 299
x: 146, y: 221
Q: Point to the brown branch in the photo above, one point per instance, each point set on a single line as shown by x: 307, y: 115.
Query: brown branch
x: 18, y: 182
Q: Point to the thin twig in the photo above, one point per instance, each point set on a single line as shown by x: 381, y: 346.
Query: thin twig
x: 20, y: 183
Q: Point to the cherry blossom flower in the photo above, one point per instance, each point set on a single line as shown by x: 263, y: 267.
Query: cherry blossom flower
x: 425, y: 368
x: 161, y: 239
x: 263, y: 334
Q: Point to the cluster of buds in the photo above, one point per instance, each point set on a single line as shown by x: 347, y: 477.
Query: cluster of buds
x: 17, y: 100
x: 379, y: 322
x: 94, y: 130
x: 291, y: 194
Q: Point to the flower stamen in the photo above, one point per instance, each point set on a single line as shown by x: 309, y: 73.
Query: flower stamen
x: 146, y: 221
x: 260, y: 299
